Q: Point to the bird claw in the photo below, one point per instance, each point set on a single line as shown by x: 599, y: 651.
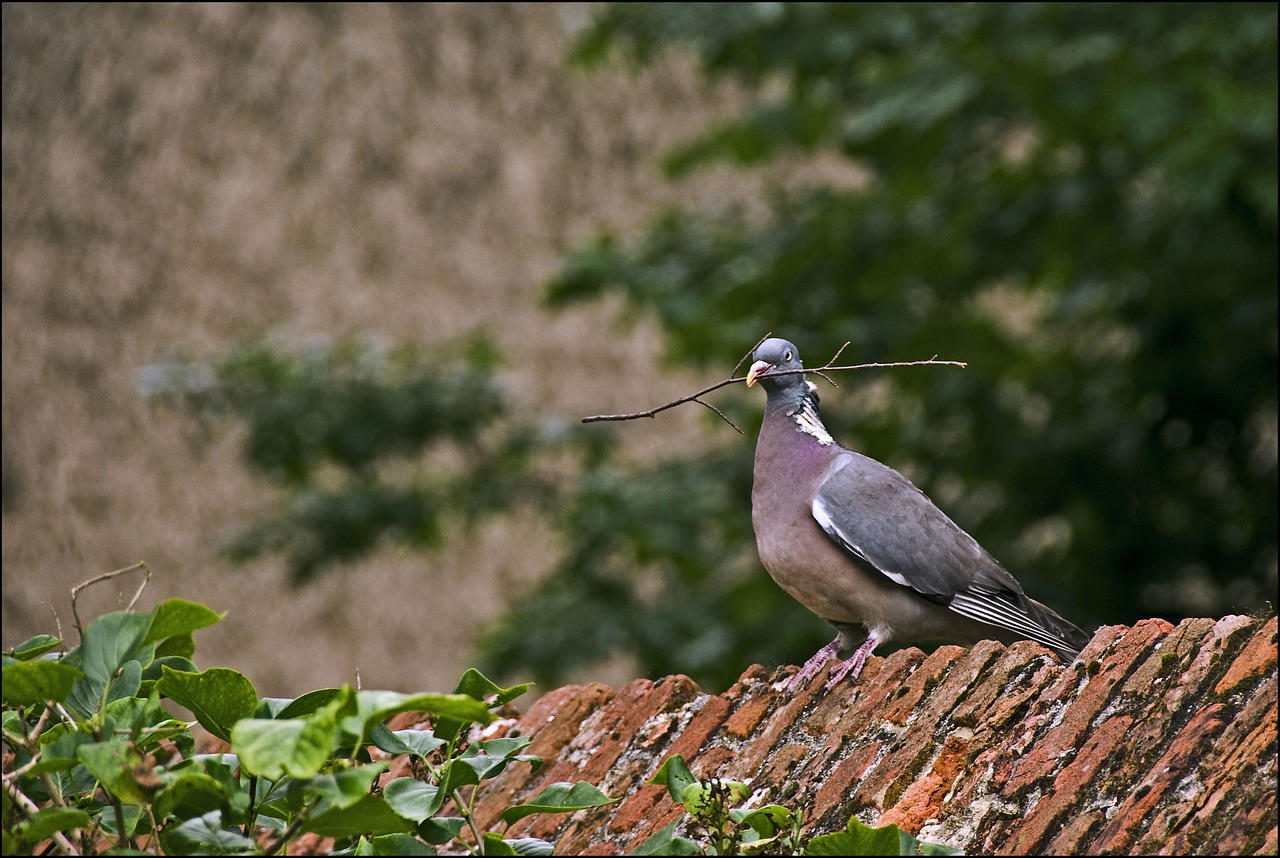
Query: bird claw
x: 852, y: 666
x: 811, y: 667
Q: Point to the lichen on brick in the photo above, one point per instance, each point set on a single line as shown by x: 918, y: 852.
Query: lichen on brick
x: 1128, y: 750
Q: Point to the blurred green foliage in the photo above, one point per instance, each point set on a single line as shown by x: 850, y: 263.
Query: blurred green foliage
x: 1077, y: 199
x: 370, y: 444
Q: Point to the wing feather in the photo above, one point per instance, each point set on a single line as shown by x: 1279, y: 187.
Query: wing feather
x: 882, y: 519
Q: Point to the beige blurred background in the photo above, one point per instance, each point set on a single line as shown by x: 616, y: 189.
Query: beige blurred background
x: 175, y: 175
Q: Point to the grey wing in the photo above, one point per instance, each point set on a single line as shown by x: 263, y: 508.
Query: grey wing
x: 881, y: 518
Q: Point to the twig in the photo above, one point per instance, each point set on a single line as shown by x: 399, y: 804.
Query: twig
x: 829, y: 366
x: 75, y: 591
x: 30, y: 808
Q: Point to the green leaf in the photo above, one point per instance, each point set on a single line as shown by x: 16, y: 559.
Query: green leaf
x: 133, y: 817
x: 224, y: 768
x: 377, y: 706
x: 488, y: 759
x: 476, y: 685
x: 45, y: 822
x: 127, y: 683
x: 206, y: 835
x: 155, y: 670
x: 440, y: 829
x: 674, y: 774
x: 189, y: 794
x: 480, y: 688
x: 35, y: 647
x: 765, y: 821
x: 495, y: 845
x: 371, y: 815
x: 397, y: 844
x: 116, y: 765
x: 702, y: 796
x: 58, y: 747
x: 861, y: 839
x: 29, y: 682
x: 110, y: 642
x: 664, y: 842
x: 177, y: 646
x: 179, y: 617
x: 218, y: 697
x: 531, y: 846
x: 144, y: 719
x: 913, y: 846
x: 345, y: 787
x: 558, y: 798
x: 271, y: 749
x: 419, y: 742
x: 413, y: 799
x: 310, y: 702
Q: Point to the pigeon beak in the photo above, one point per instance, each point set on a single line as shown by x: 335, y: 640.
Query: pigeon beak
x: 756, y: 370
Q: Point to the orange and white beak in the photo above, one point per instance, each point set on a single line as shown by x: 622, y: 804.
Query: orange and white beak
x: 757, y: 369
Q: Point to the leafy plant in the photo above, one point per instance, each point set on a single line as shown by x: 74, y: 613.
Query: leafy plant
x: 97, y: 763
x: 769, y: 830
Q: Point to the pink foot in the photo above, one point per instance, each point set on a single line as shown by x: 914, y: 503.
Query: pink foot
x: 813, y: 665
x: 852, y: 666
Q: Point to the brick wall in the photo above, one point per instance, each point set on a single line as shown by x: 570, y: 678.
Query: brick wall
x: 1157, y: 739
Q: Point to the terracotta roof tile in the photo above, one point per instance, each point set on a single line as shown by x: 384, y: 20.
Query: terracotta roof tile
x: 1156, y: 740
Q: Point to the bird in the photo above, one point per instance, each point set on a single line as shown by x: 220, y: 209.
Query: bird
x: 861, y: 546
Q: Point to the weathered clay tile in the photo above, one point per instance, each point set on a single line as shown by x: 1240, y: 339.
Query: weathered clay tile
x: 1156, y: 740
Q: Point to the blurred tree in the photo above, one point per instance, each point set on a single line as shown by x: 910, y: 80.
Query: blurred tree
x: 1077, y: 199
x: 368, y: 444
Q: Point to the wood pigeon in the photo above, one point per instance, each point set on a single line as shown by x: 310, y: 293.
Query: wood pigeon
x: 858, y: 544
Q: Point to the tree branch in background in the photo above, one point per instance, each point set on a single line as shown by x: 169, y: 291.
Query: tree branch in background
x: 829, y: 366
x: 141, y: 565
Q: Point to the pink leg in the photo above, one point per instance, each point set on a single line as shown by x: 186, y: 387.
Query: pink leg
x: 814, y: 664
x: 852, y: 666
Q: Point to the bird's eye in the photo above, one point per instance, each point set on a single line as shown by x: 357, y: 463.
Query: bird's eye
x: 786, y: 356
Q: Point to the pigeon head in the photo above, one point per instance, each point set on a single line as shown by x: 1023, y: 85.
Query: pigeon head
x: 775, y: 355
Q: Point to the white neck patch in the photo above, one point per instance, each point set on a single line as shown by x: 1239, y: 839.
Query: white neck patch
x: 806, y: 417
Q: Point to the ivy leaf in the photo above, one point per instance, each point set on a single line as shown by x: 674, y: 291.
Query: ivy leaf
x: 29, y: 682
x: 344, y: 787
x: 296, y: 746
x: 110, y: 641
x: 419, y: 742
x: 480, y: 688
x: 441, y: 829
x: 558, y: 798
x: 205, y: 835
x: 664, y: 842
x: 190, y: 794
x: 310, y: 702
x: 118, y: 767
x: 413, y: 799
x: 675, y: 775
x: 861, y: 839
x: 374, y: 707
x: 218, y: 697
x: 35, y: 647
x: 50, y: 820
x: 495, y: 845
x: 179, y: 617
x: 370, y: 815
x: 764, y: 821
x: 476, y: 685
x: 393, y: 844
